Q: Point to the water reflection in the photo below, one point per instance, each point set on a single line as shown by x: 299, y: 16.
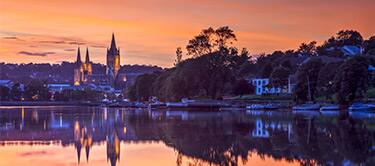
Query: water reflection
x: 225, y: 138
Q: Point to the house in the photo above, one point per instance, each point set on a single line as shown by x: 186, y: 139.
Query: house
x: 261, y: 86
x: 350, y: 50
x: 6, y: 83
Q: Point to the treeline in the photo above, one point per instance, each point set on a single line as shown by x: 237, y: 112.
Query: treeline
x: 215, y: 68
x: 38, y: 90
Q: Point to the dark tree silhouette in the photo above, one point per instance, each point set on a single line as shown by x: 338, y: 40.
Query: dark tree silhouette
x: 307, y: 78
x: 243, y: 87
x: 307, y: 49
x: 351, y: 82
x: 178, y: 56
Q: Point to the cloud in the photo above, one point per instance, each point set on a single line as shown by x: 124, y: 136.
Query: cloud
x: 98, y: 46
x: 33, y: 153
x: 11, y: 38
x: 76, y: 43
x: 69, y: 49
x: 53, y: 42
x: 36, y: 53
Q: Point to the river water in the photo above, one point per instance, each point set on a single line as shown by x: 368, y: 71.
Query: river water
x: 36, y: 136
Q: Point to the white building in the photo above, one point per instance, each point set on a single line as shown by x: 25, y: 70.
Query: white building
x: 261, y: 86
x: 58, y: 87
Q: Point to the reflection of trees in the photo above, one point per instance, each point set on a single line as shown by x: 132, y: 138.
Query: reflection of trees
x: 227, y: 140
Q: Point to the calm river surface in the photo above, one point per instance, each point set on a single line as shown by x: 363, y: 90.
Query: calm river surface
x: 35, y: 136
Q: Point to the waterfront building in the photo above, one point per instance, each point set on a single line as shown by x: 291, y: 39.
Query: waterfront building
x: 262, y: 86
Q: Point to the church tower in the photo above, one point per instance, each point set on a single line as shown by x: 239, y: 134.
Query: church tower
x: 78, y: 70
x: 113, y: 61
x: 87, y: 67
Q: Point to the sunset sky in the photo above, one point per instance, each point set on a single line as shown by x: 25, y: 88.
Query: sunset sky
x: 148, y: 31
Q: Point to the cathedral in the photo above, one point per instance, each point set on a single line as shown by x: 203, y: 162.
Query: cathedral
x: 113, y: 61
x: 83, y: 70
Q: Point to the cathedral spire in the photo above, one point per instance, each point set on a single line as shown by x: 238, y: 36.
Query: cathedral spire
x: 113, y: 42
x: 87, y: 55
x: 78, y: 56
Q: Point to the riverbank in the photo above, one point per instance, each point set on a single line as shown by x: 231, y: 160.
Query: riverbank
x: 48, y: 103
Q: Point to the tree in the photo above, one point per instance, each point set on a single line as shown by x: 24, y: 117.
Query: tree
x: 142, y: 88
x: 4, y: 93
x: 280, y: 76
x: 243, y: 87
x: 326, y: 80
x: 308, y: 49
x: 178, y: 56
x: 16, y: 92
x: 307, y: 78
x: 37, y: 90
x: 199, y: 45
x: 210, y: 40
x: 349, y: 37
x: 351, y: 82
x: 224, y: 36
x: 267, y: 70
x: 369, y: 46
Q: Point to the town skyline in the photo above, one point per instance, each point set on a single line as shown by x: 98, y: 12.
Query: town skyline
x: 148, y: 33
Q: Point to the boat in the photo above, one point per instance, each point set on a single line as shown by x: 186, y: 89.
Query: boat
x: 330, y: 107
x: 157, y: 105
x: 262, y: 107
x: 362, y: 107
x: 255, y: 107
x: 176, y: 104
x: 307, y: 107
x: 271, y: 107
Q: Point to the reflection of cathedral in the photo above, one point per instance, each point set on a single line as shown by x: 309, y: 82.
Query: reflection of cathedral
x: 113, y: 148
x: 82, y: 138
x: 83, y: 72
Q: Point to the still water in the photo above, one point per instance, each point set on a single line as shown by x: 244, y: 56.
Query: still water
x: 111, y: 136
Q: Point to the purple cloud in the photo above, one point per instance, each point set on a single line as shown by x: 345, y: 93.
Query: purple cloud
x: 36, y: 53
x: 11, y: 37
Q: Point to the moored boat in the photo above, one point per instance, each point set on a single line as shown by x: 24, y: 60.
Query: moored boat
x: 362, y: 107
x: 330, y: 107
x: 307, y: 107
x: 255, y: 107
x: 262, y: 107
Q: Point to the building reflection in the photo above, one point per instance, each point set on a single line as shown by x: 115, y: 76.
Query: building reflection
x: 82, y: 139
x: 113, y: 148
x: 200, y: 138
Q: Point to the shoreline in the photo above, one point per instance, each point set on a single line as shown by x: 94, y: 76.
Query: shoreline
x: 47, y: 103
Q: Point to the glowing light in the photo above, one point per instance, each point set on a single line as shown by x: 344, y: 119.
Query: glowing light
x: 76, y: 126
